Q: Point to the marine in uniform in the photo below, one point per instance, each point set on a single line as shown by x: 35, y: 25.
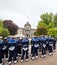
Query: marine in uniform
x: 43, y: 46
x: 5, y: 49
x: 19, y: 47
x: 40, y: 44
x: 1, y: 44
x: 12, y: 50
x: 54, y: 44
x: 50, y: 46
x: 35, y: 47
x: 25, y: 47
x: 47, y: 43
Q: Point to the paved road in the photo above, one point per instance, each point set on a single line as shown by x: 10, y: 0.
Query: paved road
x: 49, y: 60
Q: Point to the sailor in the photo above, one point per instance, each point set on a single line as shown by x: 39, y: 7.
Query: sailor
x: 47, y: 43
x: 35, y: 48
x: 31, y: 47
x: 54, y: 44
x: 25, y: 47
x: 19, y: 47
x: 5, y: 49
x: 50, y: 45
x: 40, y: 44
x: 43, y: 46
x: 12, y: 50
x: 1, y: 44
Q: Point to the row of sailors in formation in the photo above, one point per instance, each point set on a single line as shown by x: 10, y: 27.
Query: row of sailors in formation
x: 11, y: 48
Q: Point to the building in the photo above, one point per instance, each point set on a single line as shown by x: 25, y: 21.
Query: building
x: 27, y: 30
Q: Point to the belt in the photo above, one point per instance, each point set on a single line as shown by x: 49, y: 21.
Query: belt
x: 24, y: 45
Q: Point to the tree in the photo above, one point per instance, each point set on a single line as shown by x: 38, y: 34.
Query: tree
x: 47, y: 18
x: 51, y: 25
x: 5, y: 33
x: 1, y: 26
x: 49, y: 21
x: 41, y: 24
x: 41, y: 31
x: 55, y: 20
x: 52, y: 32
x: 12, y: 27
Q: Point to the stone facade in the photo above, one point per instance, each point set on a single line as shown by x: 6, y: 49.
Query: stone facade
x: 27, y: 30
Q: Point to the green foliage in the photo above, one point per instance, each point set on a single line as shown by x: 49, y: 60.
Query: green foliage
x: 51, y: 25
x: 5, y: 33
x: 47, y: 18
x: 52, y: 32
x: 49, y: 21
x: 42, y: 24
x: 55, y: 20
x: 1, y: 26
x: 41, y: 31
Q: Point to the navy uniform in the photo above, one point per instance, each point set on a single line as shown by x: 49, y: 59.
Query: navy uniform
x: 43, y: 47
x: 47, y: 43
x: 12, y: 50
x: 35, y: 45
x: 25, y: 46
x: 50, y: 46
x: 19, y: 47
x: 54, y: 44
x: 1, y: 44
x: 5, y: 49
x: 40, y: 44
x: 31, y: 47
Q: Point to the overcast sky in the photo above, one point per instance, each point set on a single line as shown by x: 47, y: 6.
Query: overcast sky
x: 21, y: 11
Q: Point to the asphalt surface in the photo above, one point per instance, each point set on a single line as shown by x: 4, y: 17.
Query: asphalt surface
x: 49, y: 60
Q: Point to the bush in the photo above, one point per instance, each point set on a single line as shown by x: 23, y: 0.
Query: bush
x: 5, y: 33
x: 1, y: 26
x: 52, y: 32
x: 41, y: 31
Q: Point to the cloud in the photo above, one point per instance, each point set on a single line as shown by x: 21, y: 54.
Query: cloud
x: 20, y: 10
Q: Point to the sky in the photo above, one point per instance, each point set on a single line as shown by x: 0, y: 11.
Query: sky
x: 22, y: 11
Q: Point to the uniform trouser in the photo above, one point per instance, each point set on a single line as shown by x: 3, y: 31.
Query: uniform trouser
x: 40, y: 48
x: 54, y: 46
x: 43, y: 51
x: 19, y: 49
x: 31, y: 49
x: 35, y: 51
x: 5, y: 52
x: 47, y: 45
x: 0, y: 56
x: 50, y: 49
x: 12, y: 54
x: 23, y: 53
